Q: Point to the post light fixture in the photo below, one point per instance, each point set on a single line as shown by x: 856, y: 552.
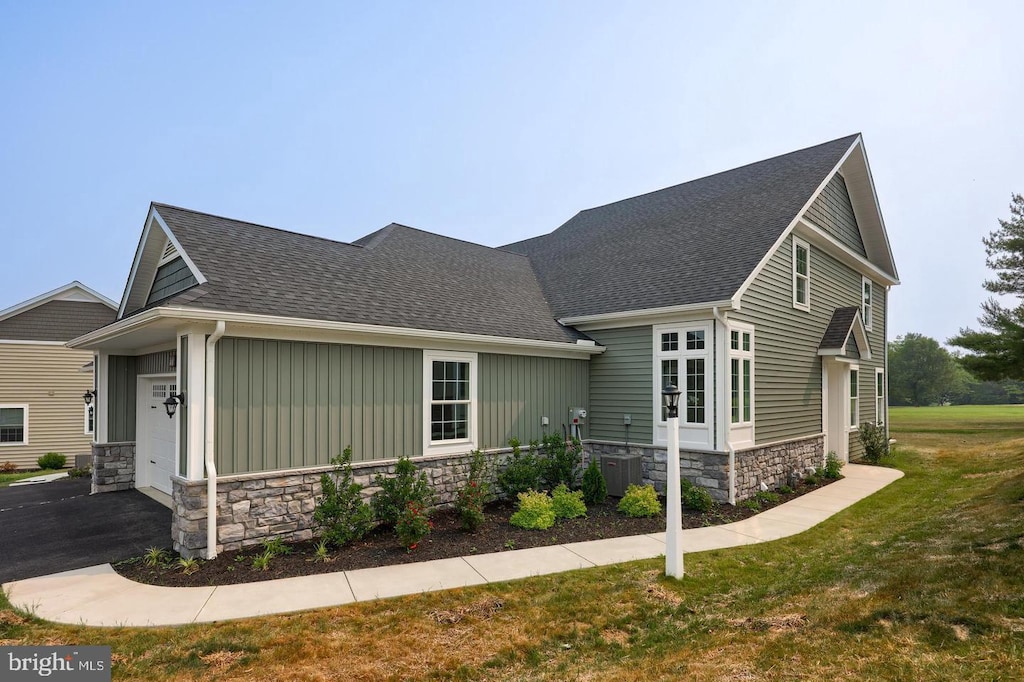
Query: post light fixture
x: 88, y: 397
x: 172, y: 402
x: 673, y: 514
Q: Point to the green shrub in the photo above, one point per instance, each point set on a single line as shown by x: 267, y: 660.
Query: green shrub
x: 52, y: 460
x: 832, y: 466
x: 697, y: 498
x: 568, y: 504
x: 752, y: 504
x: 640, y: 501
x: 785, y: 490
x: 536, y: 511
x: 413, y: 525
x: 275, y: 547
x: 396, y: 492
x: 561, y: 461
x: 471, y: 497
x: 522, y: 472
x: 79, y: 473
x: 875, y: 441
x: 594, y: 487
x: 340, y: 513
x: 767, y: 497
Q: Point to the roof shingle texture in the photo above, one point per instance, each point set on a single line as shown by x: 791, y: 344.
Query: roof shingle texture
x: 692, y: 243
x: 56, y: 321
x: 397, y: 276
x: 838, y: 329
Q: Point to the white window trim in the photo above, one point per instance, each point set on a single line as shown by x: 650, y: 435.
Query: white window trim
x: 85, y: 419
x: 741, y: 355
x: 463, y: 445
x: 24, y: 440
x: 796, y: 304
x: 682, y: 355
x: 850, y: 397
x: 880, y: 406
x: 867, y: 302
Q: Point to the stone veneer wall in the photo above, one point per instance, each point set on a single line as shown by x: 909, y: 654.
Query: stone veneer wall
x: 256, y: 506
x: 776, y: 464
x: 113, y: 467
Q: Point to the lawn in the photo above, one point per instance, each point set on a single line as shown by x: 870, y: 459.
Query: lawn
x: 922, y: 581
x: 7, y: 478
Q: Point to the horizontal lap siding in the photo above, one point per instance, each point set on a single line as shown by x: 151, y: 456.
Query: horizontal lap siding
x: 621, y: 382
x: 287, y: 404
x: 516, y: 391
x: 833, y: 212
x: 876, y: 339
x: 56, y: 423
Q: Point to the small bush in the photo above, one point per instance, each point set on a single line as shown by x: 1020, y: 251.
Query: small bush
x: 767, y: 497
x: 752, y: 504
x: 568, y: 504
x: 522, y: 472
x: 697, y: 498
x: 832, y: 466
x: 561, y: 461
x: 640, y: 501
x: 8, y: 468
x: 396, y: 492
x: 275, y: 547
x: 79, y: 473
x: 875, y: 441
x: 471, y: 497
x: 413, y: 525
x: 785, y: 490
x: 594, y: 487
x: 536, y: 511
x: 340, y: 513
x: 52, y: 460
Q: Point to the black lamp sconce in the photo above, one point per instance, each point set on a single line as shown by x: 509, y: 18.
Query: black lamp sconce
x: 172, y: 402
x: 88, y: 397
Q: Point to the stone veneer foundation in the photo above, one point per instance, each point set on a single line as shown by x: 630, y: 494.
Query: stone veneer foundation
x: 113, y: 467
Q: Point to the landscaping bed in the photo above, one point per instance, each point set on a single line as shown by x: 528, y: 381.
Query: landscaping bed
x: 446, y: 540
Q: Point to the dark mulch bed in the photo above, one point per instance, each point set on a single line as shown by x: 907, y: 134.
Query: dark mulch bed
x: 447, y: 540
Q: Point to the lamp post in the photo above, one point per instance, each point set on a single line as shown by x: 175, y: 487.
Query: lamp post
x: 673, y: 516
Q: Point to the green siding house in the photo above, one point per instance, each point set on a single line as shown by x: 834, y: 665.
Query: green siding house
x: 760, y: 291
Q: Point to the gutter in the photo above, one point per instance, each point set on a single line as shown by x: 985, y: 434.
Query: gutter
x: 728, y: 443
x: 208, y: 453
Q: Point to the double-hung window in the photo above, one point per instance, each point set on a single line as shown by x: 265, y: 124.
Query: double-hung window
x: 854, y: 397
x: 13, y: 424
x: 741, y: 375
x: 801, y: 274
x: 450, y: 401
x: 879, y: 396
x: 865, y: 312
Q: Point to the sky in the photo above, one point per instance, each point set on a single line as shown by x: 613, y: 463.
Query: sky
x: 494, y: 122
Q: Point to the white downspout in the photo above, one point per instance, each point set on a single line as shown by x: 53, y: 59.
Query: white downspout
x: 208, y: 452
x: 728, y: 442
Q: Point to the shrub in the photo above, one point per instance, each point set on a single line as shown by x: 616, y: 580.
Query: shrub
x: 767, y: 497
x: 832, y: 466
x: 413, y: 525
x: 522, y: 472
x: 340, y: 513
x: 79, y: 473
x: 785, y: 490
x: 471, y: 497
x: 8, y: 468
x: 567, y: 504
x: 275, y: 547
x: 752, y: 504
x: 52, y: 460
x: 875, y: 441
x: 396, y: 492
x: 154, y: 557
x: 696, y: 497
x: 594, y: 487
x: 536, y: 511
x: 640, y: 501
x: 561, y: 461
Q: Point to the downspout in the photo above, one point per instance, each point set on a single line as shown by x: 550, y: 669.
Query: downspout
x: 728, y: 443
x: 208, y: 453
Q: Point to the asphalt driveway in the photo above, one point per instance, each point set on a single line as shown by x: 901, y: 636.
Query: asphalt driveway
x: 59, y: 526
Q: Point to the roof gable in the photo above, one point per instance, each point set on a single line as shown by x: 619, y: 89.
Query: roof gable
x: 57, y: 315
x: 844, y: 327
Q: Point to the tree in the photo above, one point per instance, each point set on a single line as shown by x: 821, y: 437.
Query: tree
x: 921, y: 372
x: 997, y: 351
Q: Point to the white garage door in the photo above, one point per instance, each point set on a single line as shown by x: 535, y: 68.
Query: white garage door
x: 156, y: 457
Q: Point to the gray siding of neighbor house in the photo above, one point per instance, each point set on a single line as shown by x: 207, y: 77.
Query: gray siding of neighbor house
x: 123, y: 372
x: 833, y: 212
x: 621, y: 383
x: 56, y: 321
x: 787, y: 369
x: 516, y: 391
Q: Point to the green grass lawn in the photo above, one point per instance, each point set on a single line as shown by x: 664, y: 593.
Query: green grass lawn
x: 8, y: 478
x: 922, y: 581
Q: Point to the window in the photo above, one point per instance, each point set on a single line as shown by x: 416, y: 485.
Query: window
x: 449, y: 400
x: 801, y: 275
x: 854, y: 397
x: 90, y: 419
x: 670, y: 341
x: 879, y: 396
x: 681, y: 359
x: 13, y: 424
x: 741, y: 375
x: 866, y: 307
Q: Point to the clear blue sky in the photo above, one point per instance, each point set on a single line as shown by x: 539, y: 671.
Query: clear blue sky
x: 493, y: 122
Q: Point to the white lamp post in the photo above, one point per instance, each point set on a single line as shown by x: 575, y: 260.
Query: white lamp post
x: 673, y: 516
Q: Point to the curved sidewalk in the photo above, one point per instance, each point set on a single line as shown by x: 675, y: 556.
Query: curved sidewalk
x: 99, y: 596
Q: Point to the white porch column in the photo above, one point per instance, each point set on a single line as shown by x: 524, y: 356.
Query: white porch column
x: 195, y: 365
x: 100, y: 368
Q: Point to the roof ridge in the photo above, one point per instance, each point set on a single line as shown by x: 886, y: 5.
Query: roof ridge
x: 500, y: 249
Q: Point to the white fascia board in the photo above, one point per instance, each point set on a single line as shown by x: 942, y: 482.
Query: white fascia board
x: 826, y: 242
x: 878, y: 208
x: 18, y: 342
x: 177, y: 245
x: 635, y: 318
x: 135, y: 262
x: 796, y: 218
x: 269, y: 326
x: 56, y: 294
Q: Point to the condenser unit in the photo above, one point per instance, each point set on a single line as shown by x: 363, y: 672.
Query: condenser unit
x: 620, y: 471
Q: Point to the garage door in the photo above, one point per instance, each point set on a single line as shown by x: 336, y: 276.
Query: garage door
x: 156, y: 459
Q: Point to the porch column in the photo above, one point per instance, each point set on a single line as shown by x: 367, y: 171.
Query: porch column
x: 100, y: 368
x: 195, y: 366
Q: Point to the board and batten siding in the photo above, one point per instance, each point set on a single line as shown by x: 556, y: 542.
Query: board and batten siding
x: 621, y: 383
x: 787, y: 368
x: 123, y: 372
x: 515, y: 391
x: 833, y: 212
x: 29, y: 374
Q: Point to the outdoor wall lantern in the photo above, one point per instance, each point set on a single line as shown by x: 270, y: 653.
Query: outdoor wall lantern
x: 674, y: 514
x: 88, y: 396
x: 172, y: 402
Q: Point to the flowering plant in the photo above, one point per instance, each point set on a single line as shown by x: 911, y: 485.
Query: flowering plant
x: 413, y: 525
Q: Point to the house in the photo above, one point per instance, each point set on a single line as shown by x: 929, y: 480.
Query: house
x: 42, y: 380
x: 761, y: 292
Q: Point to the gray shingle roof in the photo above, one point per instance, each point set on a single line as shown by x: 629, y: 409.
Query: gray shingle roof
x: 838, y: 330
x: 56, y: 321
x: 691, y: 243
x: 397, y: 276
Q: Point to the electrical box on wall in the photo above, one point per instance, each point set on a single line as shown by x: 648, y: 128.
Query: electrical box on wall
x: 544, y: 421
x: 627, y: 419
x: 577, y: 415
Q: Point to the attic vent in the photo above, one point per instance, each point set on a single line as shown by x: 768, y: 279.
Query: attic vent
x: 169, y: 252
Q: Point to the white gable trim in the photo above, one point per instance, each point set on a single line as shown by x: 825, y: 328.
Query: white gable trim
x: 826, y: 242
x: 860, y: 335
x: 73, y: 291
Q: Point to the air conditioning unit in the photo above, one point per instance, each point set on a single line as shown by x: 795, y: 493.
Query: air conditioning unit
x: 620, y: 471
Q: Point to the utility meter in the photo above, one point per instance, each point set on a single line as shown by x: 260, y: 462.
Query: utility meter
x: 577, y: 415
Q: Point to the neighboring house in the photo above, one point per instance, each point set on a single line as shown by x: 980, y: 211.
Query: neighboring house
x: 42, y: 381
x: 761, y: 291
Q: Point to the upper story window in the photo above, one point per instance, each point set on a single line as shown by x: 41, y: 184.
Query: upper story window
x: 741, y: 375
x: 866, y: 303
x: 13, y: 424
x: 801, y: 274
x: 449, y: 401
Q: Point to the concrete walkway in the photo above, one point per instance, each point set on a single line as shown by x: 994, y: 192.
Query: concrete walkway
x: 99, y: 596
